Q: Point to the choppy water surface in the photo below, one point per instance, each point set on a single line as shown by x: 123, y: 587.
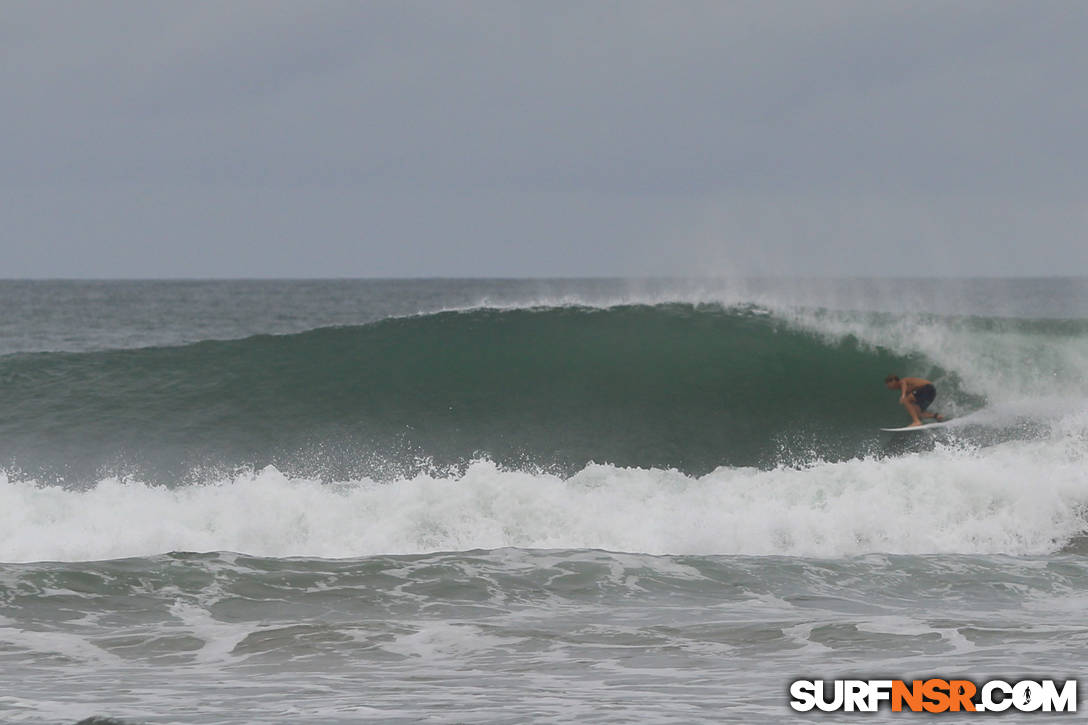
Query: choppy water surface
x: 516, y: 501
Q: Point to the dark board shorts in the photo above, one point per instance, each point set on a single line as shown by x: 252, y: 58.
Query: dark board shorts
x: 924, y: 395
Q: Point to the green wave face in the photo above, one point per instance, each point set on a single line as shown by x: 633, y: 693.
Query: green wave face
x: 663, y: 386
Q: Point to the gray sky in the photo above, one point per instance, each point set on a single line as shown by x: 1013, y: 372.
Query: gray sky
x: 295, y: 139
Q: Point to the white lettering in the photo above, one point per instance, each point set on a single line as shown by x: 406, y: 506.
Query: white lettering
x: 821, y: 699
x: 803, y: 693
x: 879, y: 690
x: 1064, y: 701
x: 1027, y: 696
x: 992, y: 705
x: 855, y: 695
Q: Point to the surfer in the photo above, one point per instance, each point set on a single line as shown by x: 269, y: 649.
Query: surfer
x: 915, y: 394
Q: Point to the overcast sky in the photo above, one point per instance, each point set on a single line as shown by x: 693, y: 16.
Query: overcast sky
x: 362, y: 139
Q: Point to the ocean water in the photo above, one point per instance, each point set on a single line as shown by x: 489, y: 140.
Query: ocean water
x: 653, y: 501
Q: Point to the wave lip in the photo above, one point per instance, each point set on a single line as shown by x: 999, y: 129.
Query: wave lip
x: 685, y: 386
x: 1019, y: 498
x: 690, y: 387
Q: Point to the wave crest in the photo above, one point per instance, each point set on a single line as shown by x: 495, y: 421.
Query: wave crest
x: 1021, y: 498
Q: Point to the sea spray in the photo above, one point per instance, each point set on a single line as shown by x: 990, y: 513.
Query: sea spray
x: 1014, y: 498
x: 691, y: 387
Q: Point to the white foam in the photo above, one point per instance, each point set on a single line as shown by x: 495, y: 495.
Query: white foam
x: 64, y: 644
x: 1010, y: 360
x: 436, y: 640
x: 219, y: 638
x: 1023, y: 497
x: 911, y: 627
x: 1006, y: 361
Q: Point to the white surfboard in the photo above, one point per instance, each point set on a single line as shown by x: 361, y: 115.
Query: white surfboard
x: 927, y: 426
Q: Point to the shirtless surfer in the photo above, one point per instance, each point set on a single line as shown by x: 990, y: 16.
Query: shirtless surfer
x: 916, y: 394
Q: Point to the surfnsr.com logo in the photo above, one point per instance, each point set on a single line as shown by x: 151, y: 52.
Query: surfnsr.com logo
x: 933, y: 695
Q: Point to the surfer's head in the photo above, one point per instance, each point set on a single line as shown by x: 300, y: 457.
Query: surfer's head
x: 892, y: 381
